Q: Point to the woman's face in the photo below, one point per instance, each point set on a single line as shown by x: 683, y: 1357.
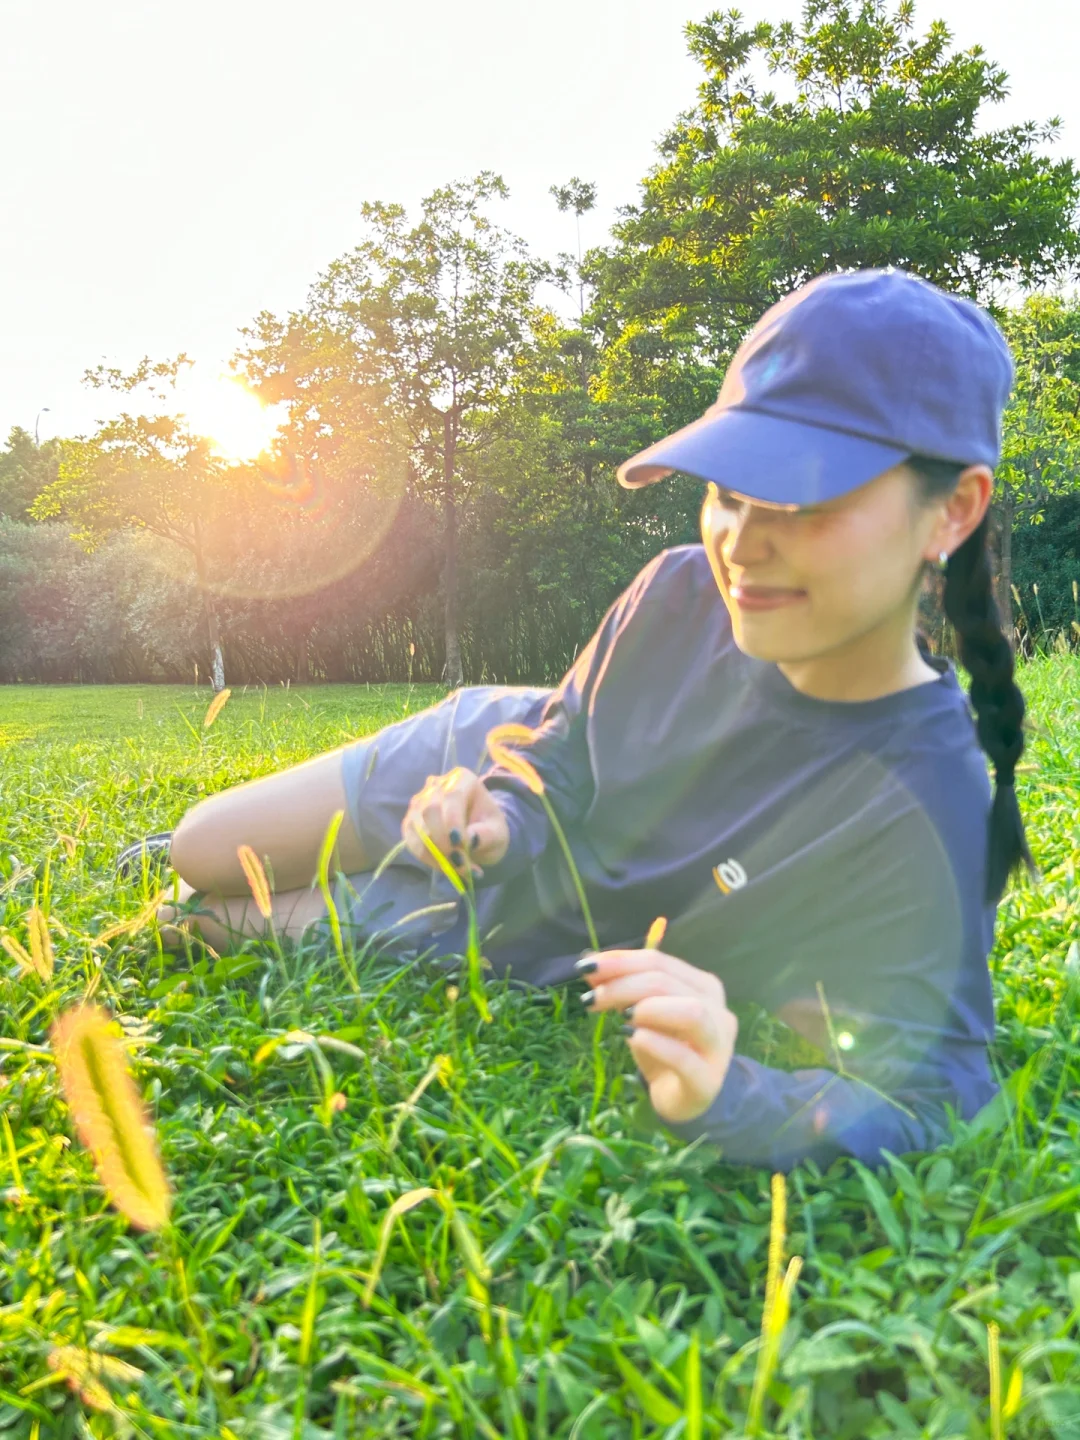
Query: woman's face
x: 801, y: 583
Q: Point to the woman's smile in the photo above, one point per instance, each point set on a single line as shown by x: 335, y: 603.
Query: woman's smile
x: 764, y: 597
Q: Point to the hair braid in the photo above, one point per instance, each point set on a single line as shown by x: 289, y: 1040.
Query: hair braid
x: 995, y: 696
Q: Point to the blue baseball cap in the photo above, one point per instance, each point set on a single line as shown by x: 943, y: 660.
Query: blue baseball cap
x: 846, y: 377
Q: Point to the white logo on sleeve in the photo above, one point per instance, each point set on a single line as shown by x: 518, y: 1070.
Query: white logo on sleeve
x: 729, y: 876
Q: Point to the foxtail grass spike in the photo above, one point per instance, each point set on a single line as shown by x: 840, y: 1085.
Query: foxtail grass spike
x: 774, y: 1316
x: 256, y: 877
x: 777, y: 1234
x: 656, y: 933
x: 83, y: 1371
x: 215, y: 708
x: 41, y: 950
x: 136, y: 922
x: 109, y: 1115
x: 499, y: 741
x: 20, y: 955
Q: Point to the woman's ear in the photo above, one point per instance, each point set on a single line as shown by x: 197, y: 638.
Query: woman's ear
x: 961, y: 510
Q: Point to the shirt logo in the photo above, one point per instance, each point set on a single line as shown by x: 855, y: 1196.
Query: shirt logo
x: 729, y: 876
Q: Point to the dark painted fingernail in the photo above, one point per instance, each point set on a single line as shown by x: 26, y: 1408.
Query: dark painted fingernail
x: 474, y: 842
x: 629, y: 1010
x: 455, y: 837
x: 628, y: 1029
x: 585, y: 966
x: 457, y: 859
x: 589, y: 997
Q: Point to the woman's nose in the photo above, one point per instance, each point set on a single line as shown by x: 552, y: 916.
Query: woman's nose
x: 747, y: 537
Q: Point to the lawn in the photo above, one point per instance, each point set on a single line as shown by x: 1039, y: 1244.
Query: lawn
x: 488, y: 1239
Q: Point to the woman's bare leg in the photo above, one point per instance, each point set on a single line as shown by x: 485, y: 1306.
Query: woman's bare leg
x: 236, y: 918
x: 283, y: 817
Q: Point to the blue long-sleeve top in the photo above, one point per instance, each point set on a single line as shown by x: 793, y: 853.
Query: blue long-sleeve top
x: 800, y: 848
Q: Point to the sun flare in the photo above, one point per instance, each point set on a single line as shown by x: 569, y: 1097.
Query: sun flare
x: 231, y: 416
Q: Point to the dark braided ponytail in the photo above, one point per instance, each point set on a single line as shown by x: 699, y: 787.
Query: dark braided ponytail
x: 988, y: 658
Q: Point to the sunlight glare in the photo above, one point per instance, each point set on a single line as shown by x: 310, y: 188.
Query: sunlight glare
x: 230, y: 415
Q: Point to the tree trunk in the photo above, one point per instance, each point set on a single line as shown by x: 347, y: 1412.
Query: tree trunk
x: 213, y: 629
x: 302, y: 670
x: 452, y: 672
x: 1004, y: 515
x: 217, y: 660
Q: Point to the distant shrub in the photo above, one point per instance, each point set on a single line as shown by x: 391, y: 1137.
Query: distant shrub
x: 1048, y: 555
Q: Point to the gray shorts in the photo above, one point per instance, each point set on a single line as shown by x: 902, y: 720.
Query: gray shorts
x: 406, y: 907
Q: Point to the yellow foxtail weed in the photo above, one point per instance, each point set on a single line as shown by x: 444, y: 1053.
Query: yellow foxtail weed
x: 41, y: 949
x: 778, y: 1293
x: 19, y: 953
x: 256, y: 878
x: 109, y: 1115
x: 656, y: 933
x: 38, y: 960
x: 499, y: 742
x: 215, y: 707
x: 134, y: 922
x: 84, y: 1371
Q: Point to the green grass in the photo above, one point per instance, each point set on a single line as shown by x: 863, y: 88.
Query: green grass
x: 577, y: 1280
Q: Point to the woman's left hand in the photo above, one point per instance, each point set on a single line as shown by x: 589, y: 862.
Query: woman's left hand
x: 684, y: 1034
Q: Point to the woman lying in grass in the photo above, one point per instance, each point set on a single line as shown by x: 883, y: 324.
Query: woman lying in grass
x: 780, y: 768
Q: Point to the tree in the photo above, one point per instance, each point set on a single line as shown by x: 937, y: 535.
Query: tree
x: 1040, y: 460
x: 580, y: 197
x: 1047, y: 555
x: 147, y: 471
x: 25, y: 469
x: 872, y: 157
x: 871, y: 151
x: 436, y: 317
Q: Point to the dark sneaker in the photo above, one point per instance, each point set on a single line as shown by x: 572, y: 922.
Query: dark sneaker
x: 156, y: 848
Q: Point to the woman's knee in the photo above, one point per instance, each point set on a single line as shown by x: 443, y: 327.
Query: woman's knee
x: 191, y: 850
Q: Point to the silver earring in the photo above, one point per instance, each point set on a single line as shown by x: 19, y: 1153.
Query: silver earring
x: 943, y: 560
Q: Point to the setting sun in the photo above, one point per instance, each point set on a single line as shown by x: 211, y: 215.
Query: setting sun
x: 230, y: 415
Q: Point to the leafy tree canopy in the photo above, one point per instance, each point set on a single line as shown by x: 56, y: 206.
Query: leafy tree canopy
x: 429, y: 322
x: 25, y: 469
x: 1041, y: 442
x: 868, y: 153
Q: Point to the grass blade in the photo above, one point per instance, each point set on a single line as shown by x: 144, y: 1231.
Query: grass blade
x: 401, y: 1206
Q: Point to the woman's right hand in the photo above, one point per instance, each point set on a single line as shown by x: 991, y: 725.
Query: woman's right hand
x: 460, y: 817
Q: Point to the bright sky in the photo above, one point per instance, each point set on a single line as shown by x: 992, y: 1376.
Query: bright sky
x: 170, y: 170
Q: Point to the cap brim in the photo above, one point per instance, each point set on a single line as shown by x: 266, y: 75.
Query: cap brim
x: 763, y: 457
